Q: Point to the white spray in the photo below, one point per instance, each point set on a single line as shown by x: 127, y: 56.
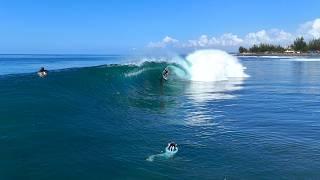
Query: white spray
x: 212, y: 73
x: 214, y: 65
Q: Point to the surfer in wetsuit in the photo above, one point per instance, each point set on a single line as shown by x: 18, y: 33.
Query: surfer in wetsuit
x: 165, y: 73
x: 172, y: 146
x: 42, y: 72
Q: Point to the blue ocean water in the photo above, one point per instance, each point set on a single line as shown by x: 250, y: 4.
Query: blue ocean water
x: 104, y: 118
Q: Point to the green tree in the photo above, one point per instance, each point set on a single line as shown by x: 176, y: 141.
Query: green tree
x: 263, y: 48
x: 314, y: 45
x: 254, y: 49
x: 242, y: 50
x: 300, y: 45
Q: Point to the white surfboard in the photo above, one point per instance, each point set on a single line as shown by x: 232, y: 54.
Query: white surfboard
x: 42, y: 74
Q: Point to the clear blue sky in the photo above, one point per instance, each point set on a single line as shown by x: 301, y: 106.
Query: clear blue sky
x: 116, y: 26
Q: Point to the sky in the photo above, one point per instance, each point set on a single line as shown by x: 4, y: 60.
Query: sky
x: 126, y: 26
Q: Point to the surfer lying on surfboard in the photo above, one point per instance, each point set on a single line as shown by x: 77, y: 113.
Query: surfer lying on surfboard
x: 172, y: 146
x: 42, y: 72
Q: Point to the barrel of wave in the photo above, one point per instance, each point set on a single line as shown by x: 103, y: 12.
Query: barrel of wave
x: 214, y: 65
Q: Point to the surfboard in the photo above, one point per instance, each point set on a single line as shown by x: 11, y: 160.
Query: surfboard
x: 171, y: 152
x: 42, y: 74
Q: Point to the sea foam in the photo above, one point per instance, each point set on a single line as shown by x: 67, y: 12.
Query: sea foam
x: 214, y: 65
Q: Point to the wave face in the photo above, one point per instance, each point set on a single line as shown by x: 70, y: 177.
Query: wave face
x: 203, y: 75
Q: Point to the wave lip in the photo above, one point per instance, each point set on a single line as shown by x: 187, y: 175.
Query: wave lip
x: 214, y: 65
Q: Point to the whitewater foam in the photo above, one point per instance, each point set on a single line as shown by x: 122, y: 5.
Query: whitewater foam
x: 214, y: 65
x: 136, y: 72
x: 303, y: 59
x: 165, y: 155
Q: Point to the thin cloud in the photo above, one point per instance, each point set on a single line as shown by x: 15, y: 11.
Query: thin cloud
x: 166, y: 41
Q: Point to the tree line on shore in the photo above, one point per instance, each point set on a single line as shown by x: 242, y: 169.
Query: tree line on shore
x: 299, y: 45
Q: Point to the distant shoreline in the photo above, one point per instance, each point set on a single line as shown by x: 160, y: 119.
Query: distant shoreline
x: 278, y: 54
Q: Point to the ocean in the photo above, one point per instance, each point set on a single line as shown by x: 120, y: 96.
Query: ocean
x: 112, y: 116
